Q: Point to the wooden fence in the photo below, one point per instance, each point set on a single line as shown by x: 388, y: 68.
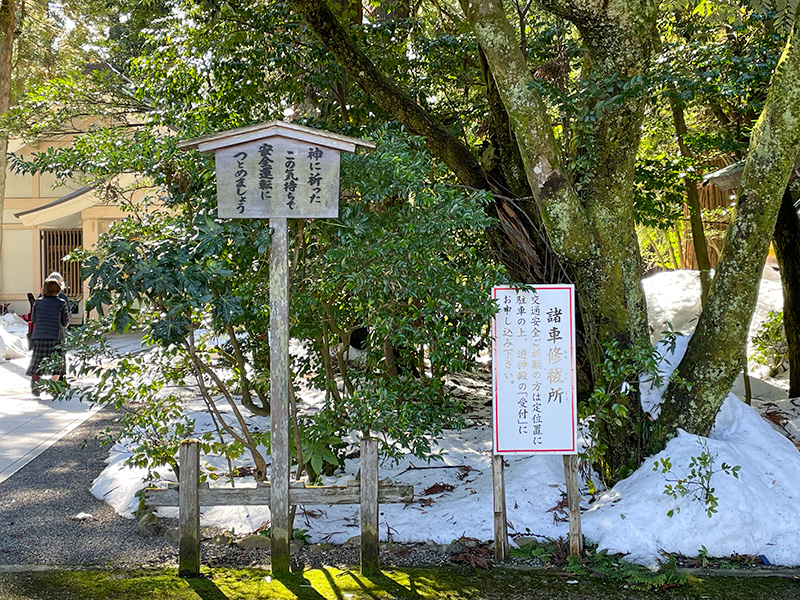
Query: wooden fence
x: 190, y: 496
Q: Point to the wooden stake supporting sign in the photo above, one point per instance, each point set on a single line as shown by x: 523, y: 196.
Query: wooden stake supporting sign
x: 573, y: 504
x: 370, y: 553
x: 189, y: 517
x: 534, y: 391
x: 280, y: 533
x: 500, y: 517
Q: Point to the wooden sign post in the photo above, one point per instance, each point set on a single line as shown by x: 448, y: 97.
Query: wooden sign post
x: 278, y: 171
x: 534, y: 391
x: 280, y: 533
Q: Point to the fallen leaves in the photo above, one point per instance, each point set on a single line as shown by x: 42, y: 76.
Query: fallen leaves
x: 438, y: 488
x: 470, y: 559
x: 472, y: 553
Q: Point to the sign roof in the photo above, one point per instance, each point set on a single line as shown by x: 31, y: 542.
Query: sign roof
x: 243, y: 135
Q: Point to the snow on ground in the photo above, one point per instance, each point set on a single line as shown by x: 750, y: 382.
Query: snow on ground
x: 756, y: 512
x: 13, y: 341
x: 673, y: 301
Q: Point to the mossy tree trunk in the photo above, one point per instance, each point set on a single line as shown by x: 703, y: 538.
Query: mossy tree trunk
x: 713, y: 356
x: 8, y: 26
x: 593, y: 232
x: 519, y: 239
x: 588, y: 216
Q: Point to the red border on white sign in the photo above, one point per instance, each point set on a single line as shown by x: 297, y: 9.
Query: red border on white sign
x: 557, y: 421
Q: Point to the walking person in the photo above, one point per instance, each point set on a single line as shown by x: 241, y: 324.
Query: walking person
x: 50, y: 317
x: 61, y: 294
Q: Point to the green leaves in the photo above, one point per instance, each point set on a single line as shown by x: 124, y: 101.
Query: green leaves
x: 406, y: 261
x: 318, y: 455
x: 696, y: 482
x: 770, y: 345
x: 622, y: 371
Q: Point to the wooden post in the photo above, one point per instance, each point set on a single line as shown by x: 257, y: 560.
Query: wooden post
x: 370, y: 550
x: 189, y: 510
x: 574, y: 504
x: 500, y: 527
x: 279, y: 402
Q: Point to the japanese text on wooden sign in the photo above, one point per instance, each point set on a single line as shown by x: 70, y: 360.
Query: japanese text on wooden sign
x: 277, y: 177
x: 534, y: 389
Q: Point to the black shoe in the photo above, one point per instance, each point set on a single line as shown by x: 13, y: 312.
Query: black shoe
x: 35, y: 390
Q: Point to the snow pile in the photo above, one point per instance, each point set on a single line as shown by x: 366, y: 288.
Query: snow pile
x: 756, y: 512
x: 13, y: 341
x: 673, y: 301
x: 12, y: 346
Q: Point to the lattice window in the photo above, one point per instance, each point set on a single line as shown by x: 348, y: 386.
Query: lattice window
x: 56, y: 244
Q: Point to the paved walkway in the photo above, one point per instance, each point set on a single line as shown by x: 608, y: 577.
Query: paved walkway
x: 30, y: 425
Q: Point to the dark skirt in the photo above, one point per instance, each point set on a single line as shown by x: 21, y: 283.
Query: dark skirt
x: 43, y: 349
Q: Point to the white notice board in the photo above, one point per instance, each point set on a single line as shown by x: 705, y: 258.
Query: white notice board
x: 533, y: 368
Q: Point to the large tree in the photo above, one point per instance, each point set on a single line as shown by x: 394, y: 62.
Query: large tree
x: 8, y: 27
x: 38, y: 42
x: 588, y: 216
x: 786, y: 242
x: 547, y: 116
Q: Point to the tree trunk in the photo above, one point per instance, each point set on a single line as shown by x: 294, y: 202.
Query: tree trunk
x: 590, y: 226
x: 7, y: 33
x: 693, y: 201
x: 519, y: 240
x: 519, y: 243
x: 786, y: 241
x: 607, y: 268
x: 713, y: 356
x: 387, y: 95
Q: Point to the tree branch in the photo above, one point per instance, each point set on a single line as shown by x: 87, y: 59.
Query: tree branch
x: 387, y: 94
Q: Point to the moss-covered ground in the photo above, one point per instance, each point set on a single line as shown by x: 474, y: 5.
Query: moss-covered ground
x: 334, y: 584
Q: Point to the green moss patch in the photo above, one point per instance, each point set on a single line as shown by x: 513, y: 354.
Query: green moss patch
x: 335, y: 584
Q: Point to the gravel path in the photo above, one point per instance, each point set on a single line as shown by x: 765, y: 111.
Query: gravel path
x: 39, y: 503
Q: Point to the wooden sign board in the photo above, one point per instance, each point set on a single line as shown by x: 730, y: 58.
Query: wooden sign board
x: 277, y: 170
x: 534, y: 374
x: 277, y: 178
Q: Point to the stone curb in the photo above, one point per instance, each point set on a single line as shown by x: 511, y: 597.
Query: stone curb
x: 695, y: 572
x: 699, y: 572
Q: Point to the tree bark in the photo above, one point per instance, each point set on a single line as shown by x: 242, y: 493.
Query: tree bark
x: 387, y: 95
x: 7, y: 35
x: 519, y: 240
x: 519, y: 243
x: 588, y: 216
x: 786, y: 241
x: 607, y: 268
x: 713, y: 356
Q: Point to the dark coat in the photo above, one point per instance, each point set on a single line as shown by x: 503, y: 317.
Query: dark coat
x: 64, y: 297
x: 50, y: 317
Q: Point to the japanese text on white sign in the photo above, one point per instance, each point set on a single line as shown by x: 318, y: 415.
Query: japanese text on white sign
x: 534, y: 391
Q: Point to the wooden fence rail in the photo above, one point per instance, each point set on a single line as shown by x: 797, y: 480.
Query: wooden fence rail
x: 190, y: 495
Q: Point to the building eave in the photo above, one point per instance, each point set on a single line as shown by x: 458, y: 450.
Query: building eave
x: 60, y: 209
